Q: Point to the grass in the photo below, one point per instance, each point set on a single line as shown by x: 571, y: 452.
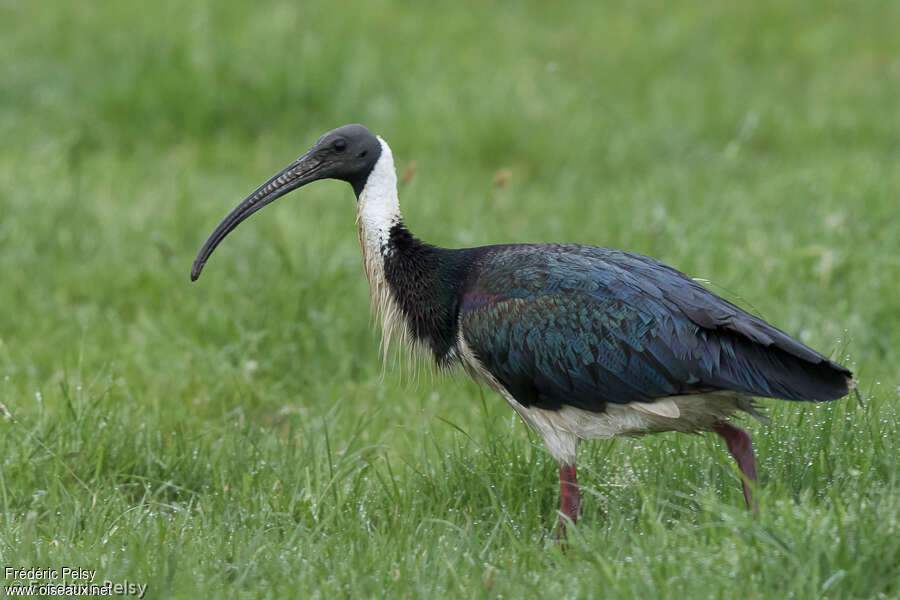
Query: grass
x: 236, y: 436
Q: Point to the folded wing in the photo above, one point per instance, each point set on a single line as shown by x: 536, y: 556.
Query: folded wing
x: 583, y: 326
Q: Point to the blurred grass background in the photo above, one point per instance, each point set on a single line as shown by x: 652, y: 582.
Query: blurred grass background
x: 236, y: 435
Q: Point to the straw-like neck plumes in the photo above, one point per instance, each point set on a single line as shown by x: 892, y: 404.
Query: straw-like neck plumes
x: 412, y: 284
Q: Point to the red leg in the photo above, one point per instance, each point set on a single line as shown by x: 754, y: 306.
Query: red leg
x: 740, y: 445
x: 570, y: 500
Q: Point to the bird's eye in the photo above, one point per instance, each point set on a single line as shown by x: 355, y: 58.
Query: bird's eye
x: 340, y: 145
x: 362, y: 154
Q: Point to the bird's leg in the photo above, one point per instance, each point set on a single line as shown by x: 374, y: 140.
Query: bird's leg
x: 740, y: 445
x: 570, y: 499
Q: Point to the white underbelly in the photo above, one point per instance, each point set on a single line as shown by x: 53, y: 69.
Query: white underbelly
x: 562, y: 429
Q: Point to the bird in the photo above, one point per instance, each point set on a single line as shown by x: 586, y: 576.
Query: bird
x: 583, y: 342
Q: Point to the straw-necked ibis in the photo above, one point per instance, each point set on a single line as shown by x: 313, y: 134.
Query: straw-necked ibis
x: 583, y: 342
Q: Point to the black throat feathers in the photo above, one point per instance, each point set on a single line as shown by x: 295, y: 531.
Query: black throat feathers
x: 425, y: 282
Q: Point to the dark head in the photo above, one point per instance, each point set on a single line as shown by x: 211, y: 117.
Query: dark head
x: 347, y: 153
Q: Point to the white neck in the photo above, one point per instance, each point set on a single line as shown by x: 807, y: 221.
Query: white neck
x: 378, y: 209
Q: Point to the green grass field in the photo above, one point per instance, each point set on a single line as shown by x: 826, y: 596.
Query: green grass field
x: 236, y: 436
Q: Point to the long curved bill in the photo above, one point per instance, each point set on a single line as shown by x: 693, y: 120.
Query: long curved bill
x: 300, y: 172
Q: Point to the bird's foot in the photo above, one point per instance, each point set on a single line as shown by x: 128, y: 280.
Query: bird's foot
x: 740, y: 445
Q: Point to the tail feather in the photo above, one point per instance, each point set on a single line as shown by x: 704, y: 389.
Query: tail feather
x: 773, y: 372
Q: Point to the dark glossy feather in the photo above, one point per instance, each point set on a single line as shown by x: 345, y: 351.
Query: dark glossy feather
x: 581, y: 325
